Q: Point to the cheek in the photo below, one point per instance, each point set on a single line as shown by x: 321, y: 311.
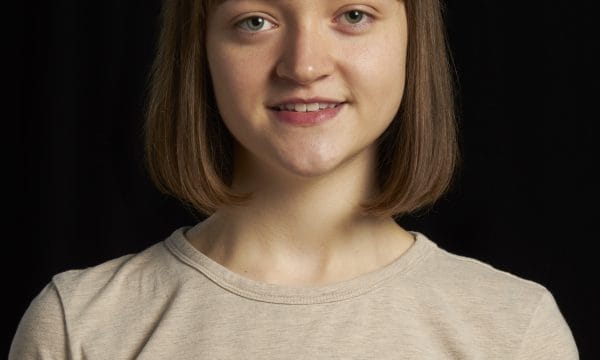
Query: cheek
x: 227, y: 83
x: 237, y: 76
x: 238, y: 83
x: 378, y: 76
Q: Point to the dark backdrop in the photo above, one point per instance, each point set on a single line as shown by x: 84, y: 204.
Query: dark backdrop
x: 523, y: 202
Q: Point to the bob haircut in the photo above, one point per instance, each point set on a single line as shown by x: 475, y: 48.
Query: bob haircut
x: 189, y: 151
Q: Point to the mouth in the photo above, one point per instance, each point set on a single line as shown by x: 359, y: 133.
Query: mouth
x: 306, y: 107
x: 307, y: 114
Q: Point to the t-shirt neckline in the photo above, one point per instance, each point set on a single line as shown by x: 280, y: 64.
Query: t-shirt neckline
x: 248, y: 288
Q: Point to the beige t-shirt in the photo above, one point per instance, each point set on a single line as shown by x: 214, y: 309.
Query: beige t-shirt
x: 170, y: 301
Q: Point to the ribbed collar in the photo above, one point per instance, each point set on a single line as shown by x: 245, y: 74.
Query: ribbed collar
x: 181, y: 248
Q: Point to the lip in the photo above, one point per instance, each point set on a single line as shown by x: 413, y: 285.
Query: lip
x: 309, y: 118
x: 298, y: 100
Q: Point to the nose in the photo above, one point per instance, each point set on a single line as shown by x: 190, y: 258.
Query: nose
x: 306, y: 55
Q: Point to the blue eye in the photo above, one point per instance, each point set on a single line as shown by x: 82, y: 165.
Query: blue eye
x: 255, y: 24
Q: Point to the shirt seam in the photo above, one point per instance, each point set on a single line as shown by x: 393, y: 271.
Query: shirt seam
x: 496, y: 270
x: 529, y: 326
x: 65, y: 320
x: 289, y: 300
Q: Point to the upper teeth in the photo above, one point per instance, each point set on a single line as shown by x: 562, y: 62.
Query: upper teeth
x: 306, y: 107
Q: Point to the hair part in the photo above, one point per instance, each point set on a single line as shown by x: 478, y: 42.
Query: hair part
x: 189, y: 151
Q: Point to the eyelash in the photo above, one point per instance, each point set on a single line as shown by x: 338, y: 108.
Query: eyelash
x: 240, y: 24
x: 365, y: 15
x: 247, y: 21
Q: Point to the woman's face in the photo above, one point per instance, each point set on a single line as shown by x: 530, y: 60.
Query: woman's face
x: 307, y: 86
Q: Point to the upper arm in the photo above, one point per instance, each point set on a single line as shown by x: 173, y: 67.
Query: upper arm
x: 41, y: 333
x: 548, y: 335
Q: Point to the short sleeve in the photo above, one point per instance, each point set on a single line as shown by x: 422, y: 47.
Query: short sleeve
x: 548, y: 335
x: 41, y: 333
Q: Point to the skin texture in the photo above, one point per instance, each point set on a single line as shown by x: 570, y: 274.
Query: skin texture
x: 303, y: 224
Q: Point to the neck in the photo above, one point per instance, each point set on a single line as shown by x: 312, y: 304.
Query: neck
x: 310, y: 228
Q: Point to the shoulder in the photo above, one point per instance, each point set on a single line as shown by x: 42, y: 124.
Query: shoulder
x: 80, y: 305
x: 466, y: 277
x: 41, y: 330
x: 509, y: 310
x: 133, y: 276
x: 115, y: 273
x: 44, y: 328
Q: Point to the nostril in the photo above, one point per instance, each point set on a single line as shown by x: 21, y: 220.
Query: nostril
x: 303, y: 73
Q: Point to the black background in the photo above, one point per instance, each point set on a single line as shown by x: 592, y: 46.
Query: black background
x: 524, y: 201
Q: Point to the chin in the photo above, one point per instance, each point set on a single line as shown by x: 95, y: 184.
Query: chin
x: 311, y: 168
x: 309, y: 172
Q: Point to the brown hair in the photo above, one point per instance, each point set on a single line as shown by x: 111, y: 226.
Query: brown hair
x: 189, y: 150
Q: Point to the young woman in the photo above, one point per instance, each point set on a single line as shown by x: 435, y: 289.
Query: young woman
x: 302, y: 128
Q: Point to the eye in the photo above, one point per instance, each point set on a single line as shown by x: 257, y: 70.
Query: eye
x: 255, y: 24
x: 355, y: 20
x: 354, y: 16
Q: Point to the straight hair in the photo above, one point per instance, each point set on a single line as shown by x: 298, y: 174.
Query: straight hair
x: 189, y: 151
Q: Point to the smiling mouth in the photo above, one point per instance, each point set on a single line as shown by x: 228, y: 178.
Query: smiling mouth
x: 301, y: 107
